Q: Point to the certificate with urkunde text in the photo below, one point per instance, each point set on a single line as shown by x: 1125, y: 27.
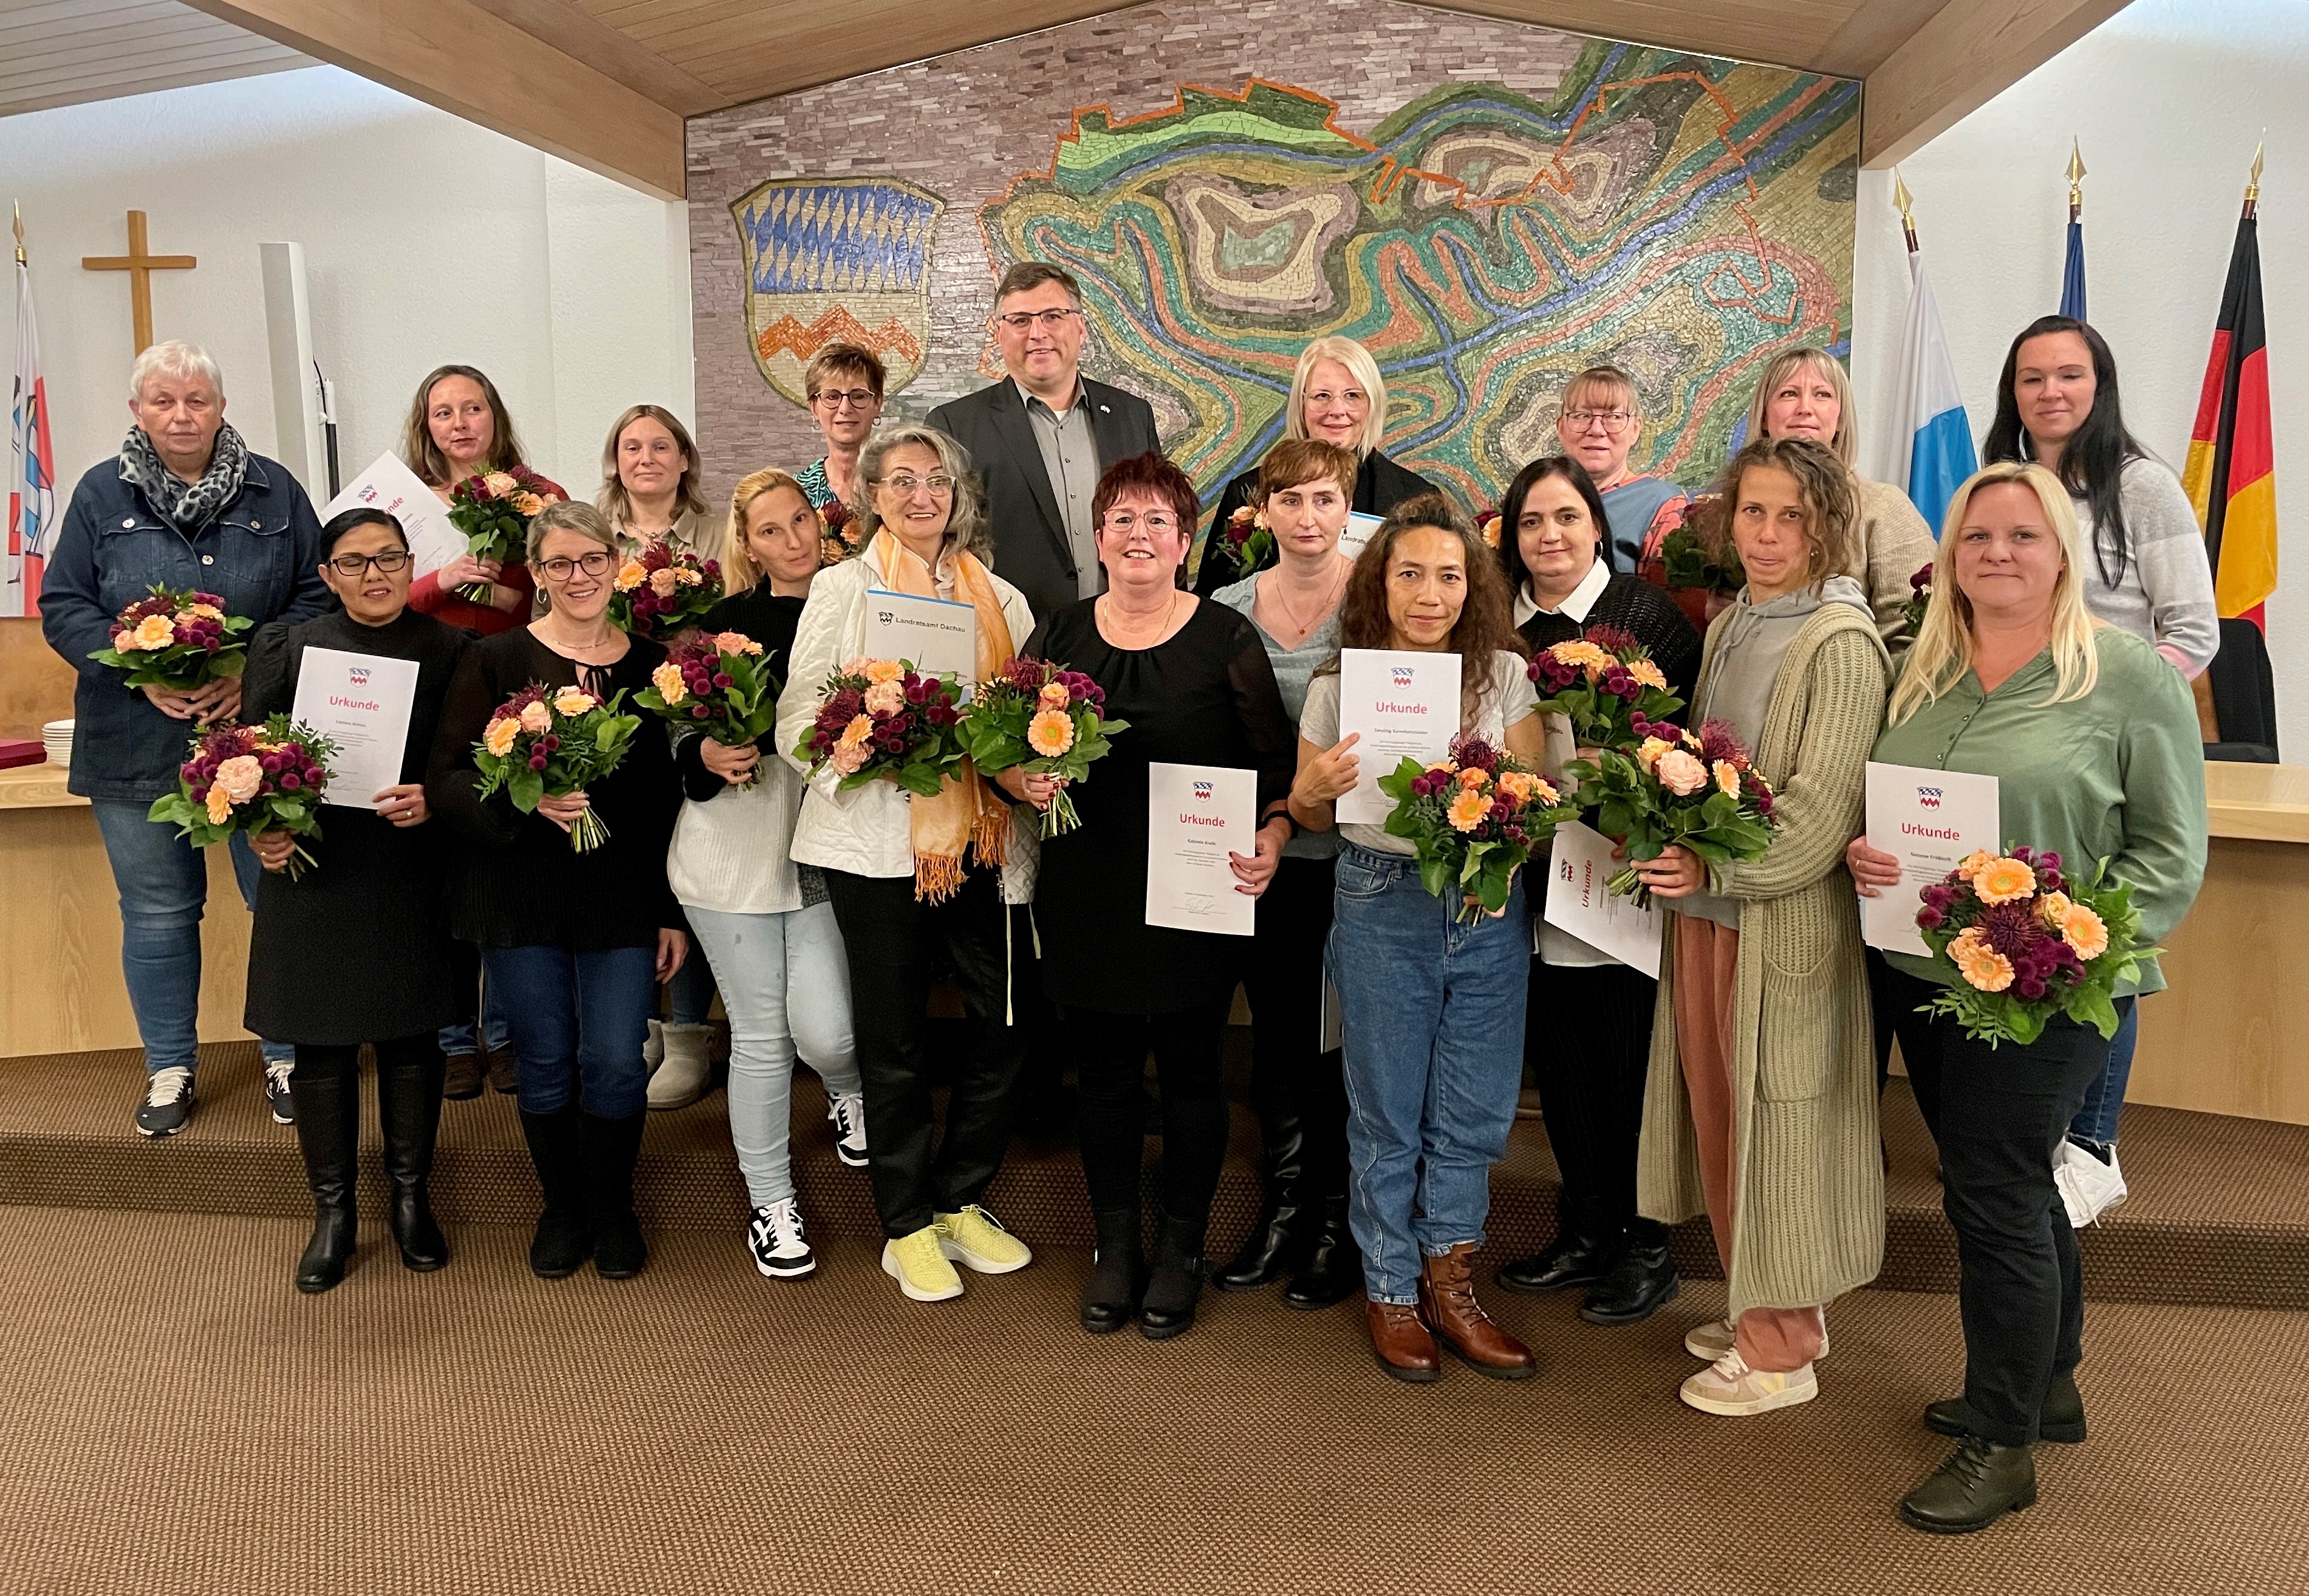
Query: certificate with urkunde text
x: 1196, y: 816
x: 1399, y: 703
x: 363, y: 701
x: 389, y: 485
x: 1929, y: 819
x: 937, y: 635
x: 1580, y: 902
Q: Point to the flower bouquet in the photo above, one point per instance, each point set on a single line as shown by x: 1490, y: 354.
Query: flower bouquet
x: 2027, y: 943
x: 1605, y: 684
x: 1042, y: 719
x: 839, y: 539
x: 1920, y: 598
x: 1474, y: 819
x: 1697, y: 564
x: 551, y: 742
x: 494, y: 511
x: 1248, y: 541
x: 882, y: 717
x: 251, y: 778
x: 1697, y: 789
x: 717, y: 683
x: 661, y: 590
x: 180, y: 640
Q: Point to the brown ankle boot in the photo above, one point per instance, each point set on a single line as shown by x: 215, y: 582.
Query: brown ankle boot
x: 1405, y: 1349
x: 1447, y: 1301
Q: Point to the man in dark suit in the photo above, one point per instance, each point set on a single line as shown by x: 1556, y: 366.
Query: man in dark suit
x: 1041, y: 438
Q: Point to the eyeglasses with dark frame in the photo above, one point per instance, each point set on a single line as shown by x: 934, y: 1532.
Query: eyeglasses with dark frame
x: 557, y: 568
x: 356, y: 565
x: 836, y: 398
x: 1050, y: 320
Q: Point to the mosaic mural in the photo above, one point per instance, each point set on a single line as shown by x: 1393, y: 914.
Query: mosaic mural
x: 1487, y: 207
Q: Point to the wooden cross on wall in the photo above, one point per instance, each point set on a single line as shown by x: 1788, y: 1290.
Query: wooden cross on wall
x: 140, y: 267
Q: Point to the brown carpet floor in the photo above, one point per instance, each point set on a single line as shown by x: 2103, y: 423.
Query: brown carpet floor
x: 173, y: 1417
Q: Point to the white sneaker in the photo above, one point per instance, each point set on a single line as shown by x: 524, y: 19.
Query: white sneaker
x: 775, y: 1236
x: 1718, y: 1337
x: 680, y: 1081
x: 847, y: 1110
x: 1729, y: 1387
x: 2088, y: 1187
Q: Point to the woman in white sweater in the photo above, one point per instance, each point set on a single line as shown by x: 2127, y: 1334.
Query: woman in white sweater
x: 765, y: 922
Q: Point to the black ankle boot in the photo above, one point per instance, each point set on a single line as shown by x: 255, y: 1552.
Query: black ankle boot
x: 409, y: 1106
x: 612, y: 1147
x: 1979, y: 1484
x: 328, y: 1132
x: 1176, y: 1282
x: 564, y: 1238
x: 1642, y: 1278
x: 2061, y: 1420
x: 1274, y: 1243
x: 1334, y: 1270
x: 1117, y: 1273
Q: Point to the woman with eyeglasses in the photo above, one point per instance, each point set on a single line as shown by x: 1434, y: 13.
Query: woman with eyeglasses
x: 844, y: 383
x: 354, y: 950
x: 1599, y: 424
x: 576, y: 942
x: 1338, y: 397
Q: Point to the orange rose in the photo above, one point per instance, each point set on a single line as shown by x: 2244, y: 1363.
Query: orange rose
x: 1973, y: 863
x: 535, y: 716
x: 736, y: 643
x: 239, y: 777
x: 1051, y: 733
x: 1053, y: 695
x: 1472, y: 780
x: 1648, y: 755
x: 885, y: 698
x: 1680, y: 773
x: 501, y: 484
x: 663, y: 582
x: 1467, y: 811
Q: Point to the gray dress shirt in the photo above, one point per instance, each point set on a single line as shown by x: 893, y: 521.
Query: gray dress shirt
x: 1070, y: 461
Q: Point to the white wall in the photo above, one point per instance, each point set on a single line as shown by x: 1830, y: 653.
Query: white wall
x: 2167, y: 98
x: 427, y: 239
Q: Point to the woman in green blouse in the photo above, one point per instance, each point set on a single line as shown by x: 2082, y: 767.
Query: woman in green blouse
x: 2094, y: 741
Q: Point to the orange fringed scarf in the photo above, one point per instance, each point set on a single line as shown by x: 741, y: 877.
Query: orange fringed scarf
x: 965, y: 815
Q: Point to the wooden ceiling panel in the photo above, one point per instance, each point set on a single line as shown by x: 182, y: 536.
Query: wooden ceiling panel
x: 70, y: 52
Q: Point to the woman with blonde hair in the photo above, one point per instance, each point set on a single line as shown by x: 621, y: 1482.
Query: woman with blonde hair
x: 1338, y: 396
x: 652, y: 483
x: 1760, y: 1109
x: 2094, y: 742
x: 1805, y: 393
x: 766, y: 922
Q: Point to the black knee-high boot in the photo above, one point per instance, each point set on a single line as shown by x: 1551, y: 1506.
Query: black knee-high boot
x: 612, y: 1148
x: 564, y: 1239
x: 1278, y: 1239
x: 408, y: 1079
x: 327, y: 1096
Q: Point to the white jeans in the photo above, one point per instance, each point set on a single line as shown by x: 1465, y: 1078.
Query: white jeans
x: 785, y: 982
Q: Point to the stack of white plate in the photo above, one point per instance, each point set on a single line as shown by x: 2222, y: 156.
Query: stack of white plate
x: 56, y: 738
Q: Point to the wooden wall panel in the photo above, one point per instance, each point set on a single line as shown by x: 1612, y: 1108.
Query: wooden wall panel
x: 36, y: 685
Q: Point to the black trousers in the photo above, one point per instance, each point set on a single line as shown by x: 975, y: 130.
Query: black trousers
x: 896, y: 948
x: 1587, y: 1039
x: 1999, y: 1116
x: 1111, y: 1053
x: 1291, y: 1074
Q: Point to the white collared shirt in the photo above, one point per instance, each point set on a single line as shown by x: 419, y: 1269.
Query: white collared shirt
x: 1582, y: 598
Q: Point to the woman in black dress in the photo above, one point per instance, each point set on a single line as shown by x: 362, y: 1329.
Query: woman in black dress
x: 1193, y: 681
x: 1588, y: 1043
x: 356, y: 951
x: 1337, y: 397
x: 576, y: 943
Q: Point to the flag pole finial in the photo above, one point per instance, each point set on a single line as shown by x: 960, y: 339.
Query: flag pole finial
x: 2076, y: 179
x: 2253, y: 185
x: 1906, y: 202
x: 18, y: 206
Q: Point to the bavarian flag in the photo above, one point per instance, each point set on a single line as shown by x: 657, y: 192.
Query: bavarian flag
x: 2231, y: 476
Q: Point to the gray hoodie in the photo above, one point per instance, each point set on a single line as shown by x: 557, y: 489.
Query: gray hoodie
x: 1742, y: 676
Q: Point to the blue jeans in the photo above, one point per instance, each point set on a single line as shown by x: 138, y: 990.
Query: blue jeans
x: 2095, y: 1122
x: 579, y: 1020
x: 785, y: 980
x: 1433, y: 1014
x: 466, y: 1035
x: 689, y: 996
x: 164, y: 885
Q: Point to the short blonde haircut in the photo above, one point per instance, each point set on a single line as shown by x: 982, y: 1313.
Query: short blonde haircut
x: 966, y: 527
x: 1360, y: 366
x: 688, y: 497
x: 1605, y: 382
x: 739, y: 573
x: 1942, y: 651
x: 1845, y: 443
x: 566, y: 516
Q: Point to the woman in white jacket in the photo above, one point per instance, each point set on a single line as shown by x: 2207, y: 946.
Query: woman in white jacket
x: 766, y: 919
x: 913, y: 878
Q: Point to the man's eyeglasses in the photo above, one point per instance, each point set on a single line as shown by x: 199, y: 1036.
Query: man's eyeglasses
x: 1614, y: 422
x: 836, y: 398
x: 594, y: 565
x: 357, y: 565
x: 904, y: 485
x: 1020, y: 321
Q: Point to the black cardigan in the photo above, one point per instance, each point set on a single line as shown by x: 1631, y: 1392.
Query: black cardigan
x: 1634, y: 605
x: 769, y: 620
x: 1380, y: 485
x: 517, y: 881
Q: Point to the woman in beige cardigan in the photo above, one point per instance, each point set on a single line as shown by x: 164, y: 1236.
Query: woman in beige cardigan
x: 1760, y: 1106
x: 1805, y: 394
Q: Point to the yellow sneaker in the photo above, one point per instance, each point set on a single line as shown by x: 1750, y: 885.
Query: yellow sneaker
x: 976, y: 1239
x: 920, y: 1267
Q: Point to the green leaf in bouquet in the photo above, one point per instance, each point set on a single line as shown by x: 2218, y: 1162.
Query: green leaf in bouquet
x: 527, y: 788
x: 1436, y: 875
x: 1473, y: 865
x: 2091, y: 1004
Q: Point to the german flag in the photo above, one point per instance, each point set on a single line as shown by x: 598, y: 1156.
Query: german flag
x: 2231, y: 474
